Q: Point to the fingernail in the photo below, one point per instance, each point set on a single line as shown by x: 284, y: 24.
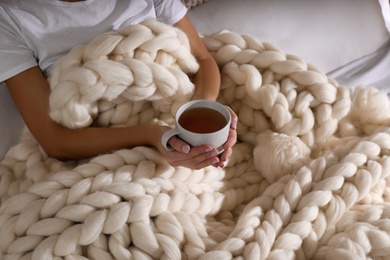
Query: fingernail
x: 185, y: 149
x: 234, y: 125
x: 215, y: 161
x: 215, y: 153
x: 208, y: 149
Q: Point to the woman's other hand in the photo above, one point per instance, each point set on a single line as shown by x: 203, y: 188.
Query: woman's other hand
x: 232, y: 139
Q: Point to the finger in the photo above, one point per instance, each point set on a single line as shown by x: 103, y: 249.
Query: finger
x: 200, y: 157
x: 234, y: 119
x: 232, y: 139
x: 224, y: 156
x: 202, y: 153
x: 205, y: 163
x: 179, y: 145
x: 228, y: 148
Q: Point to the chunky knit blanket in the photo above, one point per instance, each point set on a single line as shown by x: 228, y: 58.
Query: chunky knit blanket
x: 308, y: 178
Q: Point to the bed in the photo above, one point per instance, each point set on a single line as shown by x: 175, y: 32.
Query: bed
x: 257, y: 212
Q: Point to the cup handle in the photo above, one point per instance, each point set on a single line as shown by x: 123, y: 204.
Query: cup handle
x: 166, y: 136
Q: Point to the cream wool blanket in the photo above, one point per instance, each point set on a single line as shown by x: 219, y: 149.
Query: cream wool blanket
x: 308, y: 178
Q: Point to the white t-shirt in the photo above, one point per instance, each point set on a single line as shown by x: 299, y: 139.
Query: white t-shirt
x: 38, y: 32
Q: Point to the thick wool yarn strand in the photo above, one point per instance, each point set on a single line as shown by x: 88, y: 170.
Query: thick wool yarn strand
x: 319, y: 197
x: 150, y: 63
x: 308, y: 177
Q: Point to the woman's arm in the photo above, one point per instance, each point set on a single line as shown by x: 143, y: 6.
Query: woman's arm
x: 207, y: 80
x: 30, y: 91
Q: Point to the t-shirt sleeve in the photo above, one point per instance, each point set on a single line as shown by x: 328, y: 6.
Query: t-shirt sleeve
x: 169, y: 11
x: 15, y: 56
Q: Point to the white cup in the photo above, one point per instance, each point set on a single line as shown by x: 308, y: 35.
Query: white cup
x: 206, y: 131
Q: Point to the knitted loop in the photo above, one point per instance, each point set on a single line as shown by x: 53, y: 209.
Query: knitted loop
x: 308, y: 177
x: 148, y: 61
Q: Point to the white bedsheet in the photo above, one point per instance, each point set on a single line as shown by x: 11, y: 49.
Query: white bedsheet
x: 371, y: 70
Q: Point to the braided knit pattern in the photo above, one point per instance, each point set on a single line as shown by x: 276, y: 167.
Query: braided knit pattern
x: 308, y: 178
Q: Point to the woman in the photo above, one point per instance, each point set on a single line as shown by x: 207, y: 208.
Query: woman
x: 36, y: 33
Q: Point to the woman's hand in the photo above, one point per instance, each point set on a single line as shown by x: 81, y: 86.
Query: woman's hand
x: 200, y: 156
x: 184, y: 155
x: 232, y: 139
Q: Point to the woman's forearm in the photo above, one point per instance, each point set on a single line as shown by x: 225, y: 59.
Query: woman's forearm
x: 207, y: 80
x: 63, y: 143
